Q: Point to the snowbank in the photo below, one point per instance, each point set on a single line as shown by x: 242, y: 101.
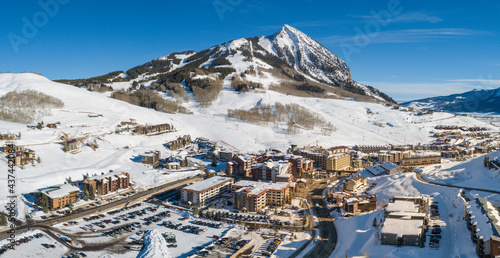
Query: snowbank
x: 155, y: 246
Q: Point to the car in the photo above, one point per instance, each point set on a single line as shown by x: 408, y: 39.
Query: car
x: 211, y: 248
x: 216, y: 236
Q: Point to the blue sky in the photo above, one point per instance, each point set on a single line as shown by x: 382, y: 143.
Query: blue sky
x: 408, y: 49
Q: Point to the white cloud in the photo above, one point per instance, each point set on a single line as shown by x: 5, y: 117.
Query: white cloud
x: 406, y: 36
x: 480, y: 81
x: 416, y: 17
x: 406, y: 17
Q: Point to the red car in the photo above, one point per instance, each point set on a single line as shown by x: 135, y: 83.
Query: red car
x: 216, y: 236
x: 65, y: 224
x: 210, y: 248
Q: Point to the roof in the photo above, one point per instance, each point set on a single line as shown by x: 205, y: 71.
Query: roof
x: 97, y: 177
x: 404, y: 206
x: 57, y: 191
x: 389, y: 165
x: 407, y: 215
x: 485, y: 217
x: 257, y: 188
x: 402, y: 227
x: 208, y: 184
x: 338, y: 155
x: 376, y: 170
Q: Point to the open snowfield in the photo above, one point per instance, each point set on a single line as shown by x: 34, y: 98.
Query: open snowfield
x: 358, y: 234
x: 34, y: 247
x: 470, y: 173
x: 354, y: 126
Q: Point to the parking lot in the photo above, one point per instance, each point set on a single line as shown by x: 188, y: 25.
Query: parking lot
x: 434, y: 229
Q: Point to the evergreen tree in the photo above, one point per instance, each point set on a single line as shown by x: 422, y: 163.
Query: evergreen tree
x: 375, y: 222
x: 214, y: 160
x: 39, y: 160
x: 486, y: 161
x: 85, y: 193
x: 70, y: 181
x: 3, y: 219
x: 45, y: 203
x: 91, y: 193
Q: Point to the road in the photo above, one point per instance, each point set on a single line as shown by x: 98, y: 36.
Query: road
x: 419, y: 177
x: 327, y: 231
x: 46, y: 224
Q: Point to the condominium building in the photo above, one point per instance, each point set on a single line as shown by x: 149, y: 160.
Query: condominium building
x: 419, y: 161
x: 393, y: 156
x: 404, y: 223
x: 200, y: 193
x: 151, y: 158
x: 154, y: 129
x: 241, y: 165
x: 354, y: 205
x: 483, y: 220
x: 271, y: 170
x: 355, y: 182
x: 59, y: 196
x: 338, y: 161
x: 335, y: 158
x: 107, y: 183
x: 255, y: 196
x: 23, y: 157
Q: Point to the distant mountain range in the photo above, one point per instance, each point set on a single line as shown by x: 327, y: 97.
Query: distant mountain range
x: 289, y: 61
x: 471, y: 101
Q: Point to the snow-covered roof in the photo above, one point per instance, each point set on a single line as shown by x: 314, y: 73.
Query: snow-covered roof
x: 338, y: 155
x: 115, y: 173
x: 486, y: 219
x: 257, y: 188
x: 408, y: 215
x: 388, y: 165
x: 402, y: 227
x: 404, y: 206
x: 58, y: 191
x: 208, y: 183
x: 376, y: 170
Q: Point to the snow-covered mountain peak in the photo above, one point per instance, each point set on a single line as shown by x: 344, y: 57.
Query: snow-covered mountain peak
x: 307, y: 56
x: 292, y: 59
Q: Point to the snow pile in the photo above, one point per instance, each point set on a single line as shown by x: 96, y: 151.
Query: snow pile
x: 155, y: 246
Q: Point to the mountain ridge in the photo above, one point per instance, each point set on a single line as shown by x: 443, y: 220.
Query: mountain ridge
x: 477, y: 100
x: 288, y: 53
